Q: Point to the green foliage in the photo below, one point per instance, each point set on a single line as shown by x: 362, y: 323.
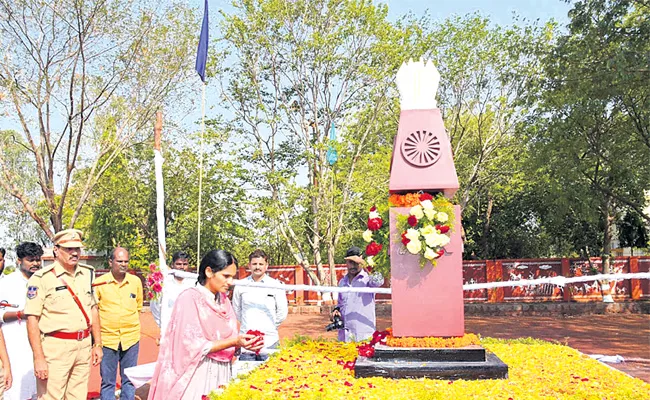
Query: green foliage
x: 632, y: 232
x: 590, y: 128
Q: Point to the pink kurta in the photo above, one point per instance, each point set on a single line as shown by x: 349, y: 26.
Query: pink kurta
x: 196, y: 322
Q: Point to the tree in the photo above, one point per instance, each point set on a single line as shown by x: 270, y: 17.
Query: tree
x: 592, y: 118
x: 122, y: 211
x: 82, y: 80
x: 297, y: 69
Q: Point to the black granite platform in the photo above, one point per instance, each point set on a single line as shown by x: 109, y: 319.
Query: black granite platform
x: 469, y: 353
x: 469, y: 363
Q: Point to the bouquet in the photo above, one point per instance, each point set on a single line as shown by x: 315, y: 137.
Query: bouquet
x: 427, y: 229
x: 154, y: 282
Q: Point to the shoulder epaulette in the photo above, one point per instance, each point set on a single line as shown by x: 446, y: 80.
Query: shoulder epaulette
x: 44, y: 270
x: 90, y: 267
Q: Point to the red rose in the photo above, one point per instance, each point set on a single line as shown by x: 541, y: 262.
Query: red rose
x: 425, y: 196
x: 412, y: 220
x: 405, y: 240
x: 442, y: 228
x: 374, y: 224
x: 259, y: 336
x: 373, y: 209
x: 373, y: 249
x: 157, y: 287
x: 152, y: 267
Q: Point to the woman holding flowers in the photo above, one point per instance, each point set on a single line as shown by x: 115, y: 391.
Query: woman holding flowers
x: 196, y: 355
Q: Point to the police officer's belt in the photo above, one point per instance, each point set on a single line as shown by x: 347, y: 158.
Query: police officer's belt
x: 79, y: 335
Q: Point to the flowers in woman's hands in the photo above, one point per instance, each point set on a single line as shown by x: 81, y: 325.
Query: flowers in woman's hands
x: 259, y: 336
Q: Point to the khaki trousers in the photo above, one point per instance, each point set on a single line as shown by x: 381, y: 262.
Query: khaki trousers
x: 68, y: 369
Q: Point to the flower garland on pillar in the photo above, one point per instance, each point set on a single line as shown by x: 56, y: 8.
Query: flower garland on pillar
x: 425, y: 231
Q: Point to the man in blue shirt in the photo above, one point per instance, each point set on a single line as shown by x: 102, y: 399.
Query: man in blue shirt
x: 357, y: 309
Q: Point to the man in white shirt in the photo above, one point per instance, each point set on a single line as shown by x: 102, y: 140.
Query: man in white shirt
x: 13, y: 290
x: 259, y: 308
x: 172, y: 287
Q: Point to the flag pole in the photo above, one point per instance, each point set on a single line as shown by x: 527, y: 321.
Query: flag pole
x: 160, y: 192
x: 201, y: 61
x: 198, y: 230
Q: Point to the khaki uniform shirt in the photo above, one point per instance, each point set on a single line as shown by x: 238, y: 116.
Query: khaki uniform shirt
x: 49, y: 299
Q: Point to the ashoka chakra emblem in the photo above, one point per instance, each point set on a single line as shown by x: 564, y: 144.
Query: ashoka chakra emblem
x: 421, y: 148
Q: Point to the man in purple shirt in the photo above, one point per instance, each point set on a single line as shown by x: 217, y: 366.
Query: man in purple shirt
x: 357, y: 309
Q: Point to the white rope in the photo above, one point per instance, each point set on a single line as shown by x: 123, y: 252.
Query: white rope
x: 555, y: 280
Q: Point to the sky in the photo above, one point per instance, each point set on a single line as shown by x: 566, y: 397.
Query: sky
x: 499, y: 11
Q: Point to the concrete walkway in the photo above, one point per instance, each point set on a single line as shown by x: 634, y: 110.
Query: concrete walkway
x: 627, y: 335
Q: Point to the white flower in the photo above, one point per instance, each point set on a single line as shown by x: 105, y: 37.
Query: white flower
x: 414, y: 246
x: 444, y: 240
x: 427, y: 204
x: 373, y: 214
x: 436, y: 239
x: 427, y: 230
x: 417, y: 211
x: 367, y: 235
x: 430, y: 254
x: 431, y: 214
x: 413, y: 235
x: 442, y: 217
x: 431, y: 239
x: 371, y: 261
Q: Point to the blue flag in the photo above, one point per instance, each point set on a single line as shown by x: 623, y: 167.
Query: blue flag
x: 202, y: 52
x: 332, y: 155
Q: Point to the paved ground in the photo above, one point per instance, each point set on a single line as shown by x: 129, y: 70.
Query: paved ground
x: 627, y: 335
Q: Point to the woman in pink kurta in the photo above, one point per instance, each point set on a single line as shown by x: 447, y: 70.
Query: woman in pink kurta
x: 197, y: 351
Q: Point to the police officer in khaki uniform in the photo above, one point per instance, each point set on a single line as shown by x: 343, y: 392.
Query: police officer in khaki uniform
x: 61, y: 315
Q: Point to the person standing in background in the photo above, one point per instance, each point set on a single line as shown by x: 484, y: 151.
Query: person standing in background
x: 357, y: 309
x: 13, y: 290
x: 5, y: 368
x: 172, y: 287
x: 119, y: 297
x: 260, y: 308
